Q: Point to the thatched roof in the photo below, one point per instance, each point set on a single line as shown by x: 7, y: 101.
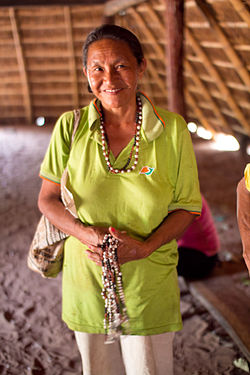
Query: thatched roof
x: 41, y: 65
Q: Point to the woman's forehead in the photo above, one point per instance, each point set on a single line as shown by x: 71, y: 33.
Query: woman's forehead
x: 110, y: 47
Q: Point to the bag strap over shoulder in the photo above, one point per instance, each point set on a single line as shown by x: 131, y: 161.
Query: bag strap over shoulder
x: 77, y: 117
x: 66, y: 195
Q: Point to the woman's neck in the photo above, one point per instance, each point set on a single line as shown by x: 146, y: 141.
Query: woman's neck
x: 120, y: 117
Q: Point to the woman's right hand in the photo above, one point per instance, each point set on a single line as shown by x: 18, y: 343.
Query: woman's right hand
x: 92, y: 235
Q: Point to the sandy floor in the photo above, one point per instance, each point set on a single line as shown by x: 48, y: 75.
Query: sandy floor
x: 33, y: 340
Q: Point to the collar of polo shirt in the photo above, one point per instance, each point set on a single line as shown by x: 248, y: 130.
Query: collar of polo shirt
x: 152, y: 124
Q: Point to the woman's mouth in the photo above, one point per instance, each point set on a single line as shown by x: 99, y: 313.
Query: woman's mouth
x: 112, y: 91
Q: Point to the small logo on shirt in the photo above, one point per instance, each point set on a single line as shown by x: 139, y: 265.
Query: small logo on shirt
x: 147, y: 171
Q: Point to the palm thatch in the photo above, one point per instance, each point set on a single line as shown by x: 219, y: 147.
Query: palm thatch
x: 41, y: 63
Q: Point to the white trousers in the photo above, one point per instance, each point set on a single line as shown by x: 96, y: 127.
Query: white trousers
x: 131, y: 355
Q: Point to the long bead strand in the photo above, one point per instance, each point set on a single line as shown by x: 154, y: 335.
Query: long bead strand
x: 112, y: 292
x: 135, y: 146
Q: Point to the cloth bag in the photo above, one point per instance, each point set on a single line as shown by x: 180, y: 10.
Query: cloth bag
x: 46, y: 251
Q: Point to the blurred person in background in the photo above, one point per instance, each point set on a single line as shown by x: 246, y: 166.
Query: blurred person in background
x: 243, y: 213
x: 198, y: 246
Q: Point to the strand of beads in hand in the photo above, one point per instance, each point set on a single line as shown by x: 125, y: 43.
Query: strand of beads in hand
x: 112, y: 292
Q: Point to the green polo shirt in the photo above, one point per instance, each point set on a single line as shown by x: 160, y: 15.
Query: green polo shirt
x: 165, y: 179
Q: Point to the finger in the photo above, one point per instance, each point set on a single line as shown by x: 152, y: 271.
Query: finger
x: 94, y: 257
x: 95, y: 249
x: 121, y: 236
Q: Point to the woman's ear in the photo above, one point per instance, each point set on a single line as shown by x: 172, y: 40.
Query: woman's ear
x: 85, y: 71
x: 142, y: 67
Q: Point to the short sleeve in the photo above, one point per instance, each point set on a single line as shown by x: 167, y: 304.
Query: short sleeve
x: 57, y: 154
x: 187, y: 189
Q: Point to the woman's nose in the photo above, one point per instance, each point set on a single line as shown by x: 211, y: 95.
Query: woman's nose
x: 110, y: 75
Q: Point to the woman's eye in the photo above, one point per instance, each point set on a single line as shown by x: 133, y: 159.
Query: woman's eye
x: 98, y: 69
x: 120, y: 66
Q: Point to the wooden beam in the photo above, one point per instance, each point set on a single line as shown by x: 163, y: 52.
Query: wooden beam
x: 157, y: 79
x: 241, y: 10
x: 222, y: 296
x: 21, y: 64
x: 228, y: 48
x: 148, y: 33
x: 199, y: 113
x: 113, y: 7
x: 140, y: 21
x: 205, y: 92
x: 156, y: 19
x: 175, y: 32
x: 72, y: 62
x: 39, y: 3
x: 226, y: 94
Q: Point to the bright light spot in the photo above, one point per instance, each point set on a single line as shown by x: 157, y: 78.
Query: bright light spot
x: 225, y: 142
x: 248, y: 150
x: 192, y: 127
x: 204, y: 133
x: 40, y: 121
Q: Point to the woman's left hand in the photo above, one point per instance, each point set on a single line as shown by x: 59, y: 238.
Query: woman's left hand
x: 129, y: 249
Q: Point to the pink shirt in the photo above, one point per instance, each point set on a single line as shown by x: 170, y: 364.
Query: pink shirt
x: 201, y: 234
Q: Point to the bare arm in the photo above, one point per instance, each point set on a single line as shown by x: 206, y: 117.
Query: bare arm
x: 130, y: 249
x: 50, y: 204
x: 172, y: 228
x: 243, y: 217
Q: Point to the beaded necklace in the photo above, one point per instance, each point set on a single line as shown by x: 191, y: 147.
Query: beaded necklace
x: 136, y: 143
x: 112, y: 292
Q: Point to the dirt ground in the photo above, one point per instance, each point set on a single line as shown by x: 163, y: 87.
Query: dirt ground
x: 33, y: 340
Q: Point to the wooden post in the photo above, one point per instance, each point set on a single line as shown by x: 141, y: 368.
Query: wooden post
x: 175, y: 32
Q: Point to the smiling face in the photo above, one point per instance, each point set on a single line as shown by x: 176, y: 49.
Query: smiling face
x: 113, y: 73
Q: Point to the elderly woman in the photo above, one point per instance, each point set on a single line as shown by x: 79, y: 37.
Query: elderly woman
x: 133, y: 175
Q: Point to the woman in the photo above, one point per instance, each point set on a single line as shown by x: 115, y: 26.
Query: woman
x: 132, y: 173
x: 198, y: 247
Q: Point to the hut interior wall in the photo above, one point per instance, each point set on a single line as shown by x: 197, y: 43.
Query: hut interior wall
x: 41, y: 59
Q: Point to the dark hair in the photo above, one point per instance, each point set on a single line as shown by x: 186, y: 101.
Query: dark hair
x: 116, y: 33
